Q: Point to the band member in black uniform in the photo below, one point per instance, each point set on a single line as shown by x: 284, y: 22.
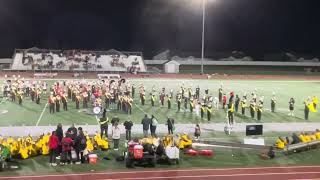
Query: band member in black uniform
x: 306, y: 108
x: 291, y: 106
x: 209, y: 112
x: 220, y: 94
x: 179, y: 101
x: 236, y: 103
x: 133, y: 90
x: 273, y: 103
x: 77, y: 99
x: 252, y: 108
x: 198, y: 92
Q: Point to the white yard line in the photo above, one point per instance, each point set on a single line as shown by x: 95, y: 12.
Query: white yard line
x: 41, y: 114
x: 140, y: 108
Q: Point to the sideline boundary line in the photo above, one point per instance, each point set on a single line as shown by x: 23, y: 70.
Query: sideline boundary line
x: 41, y: 114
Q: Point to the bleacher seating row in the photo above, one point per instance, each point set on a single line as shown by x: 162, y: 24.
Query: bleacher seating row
x: 77, y: 60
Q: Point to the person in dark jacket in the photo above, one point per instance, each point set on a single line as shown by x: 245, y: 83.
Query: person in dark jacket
x: 53, y: 147
x: 59, y: 134
x: 146, y: 124
x: 170, y: 124
x: 73, y: 132
x: 128, y: 125
x: 80, y: 144
x: 114, y: 120
x: 104, y: 123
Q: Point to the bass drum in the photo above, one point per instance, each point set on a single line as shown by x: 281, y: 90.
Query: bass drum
x: 97, y: 110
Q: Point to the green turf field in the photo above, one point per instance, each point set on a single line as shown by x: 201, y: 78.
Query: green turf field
x: 31, y: 114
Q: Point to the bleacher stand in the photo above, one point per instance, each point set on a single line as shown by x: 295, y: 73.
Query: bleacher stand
x: 113, y: 61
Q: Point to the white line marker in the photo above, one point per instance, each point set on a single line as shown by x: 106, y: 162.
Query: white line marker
x: 41, y: 114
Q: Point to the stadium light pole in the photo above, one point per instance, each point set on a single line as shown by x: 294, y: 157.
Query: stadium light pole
x: 202, y: 38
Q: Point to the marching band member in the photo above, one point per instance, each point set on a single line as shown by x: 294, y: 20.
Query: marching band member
x: 243, y: 105
x: 231, y: 109
x: 51, y: 101
x: 64, y: 100
x: 259, y: 110
x: 220, y: 94
x: 57, y: 98
x: 153, y: 99
x: 307, y: 104
x: 133, y: 90
x: 202, y: 110
x: 169, y: 99
x: 20, y: 96
x: 273, y: 103
x: 191, y: 105
x: 77, y: 99
x: 236, y: 103
x: 38, y: 95
x: 179, y: 101
x: 162, y: 96
x: 291, y: 106
x: 252, y: 108
x: 209, y: 112
x: 85, y: 99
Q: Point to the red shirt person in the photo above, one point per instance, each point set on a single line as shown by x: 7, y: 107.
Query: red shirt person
x: 53, y: 148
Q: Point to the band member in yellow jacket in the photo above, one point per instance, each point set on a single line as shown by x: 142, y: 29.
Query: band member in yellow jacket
x: 307, y: 105
x: 202, y: 110
x: 252, y: 108
x: 231, y: 113
x: 243, y: 104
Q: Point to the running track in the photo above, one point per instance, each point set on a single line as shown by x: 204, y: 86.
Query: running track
x: 261, y: 173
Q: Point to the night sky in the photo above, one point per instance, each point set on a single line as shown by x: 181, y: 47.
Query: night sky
x: 255, y: 27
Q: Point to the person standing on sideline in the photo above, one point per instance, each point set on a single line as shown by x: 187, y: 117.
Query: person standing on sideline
x: 104, y: 124
x: 170, y: 124
x: 273, y: 103
x: 153, y: 126
x: 197, y: 132
x: 291, y: 106
x: 128, y: 125
x: 66, y: 149
x: 252, y: 108
x: 80, y: 144
x: 59, y: 134
x: 53, y: 147
x: 116, y: 136
x: 146, y: 124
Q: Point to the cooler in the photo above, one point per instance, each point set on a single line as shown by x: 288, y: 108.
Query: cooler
x: 93, y: 158
x: 138, y: 151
